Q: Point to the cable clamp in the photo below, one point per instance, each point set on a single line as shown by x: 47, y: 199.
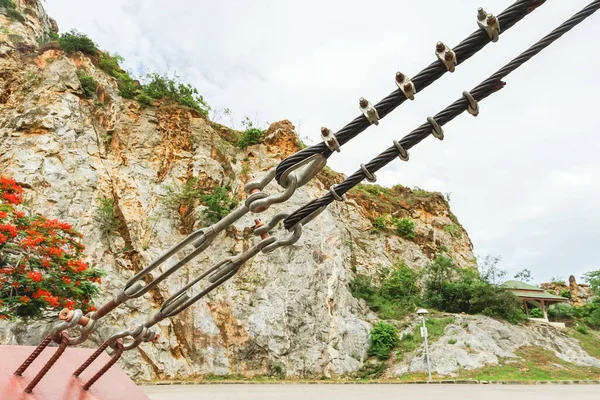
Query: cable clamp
x: 406, y: 85
x: 473, y: 107
x: 336, y: 196
x: 446, y: 55
x: 330, y: 140
x: 489, y: 23
x: 368, y: 111
x: 370, y: 177
x: 437, y: 132
x: 402, y: 153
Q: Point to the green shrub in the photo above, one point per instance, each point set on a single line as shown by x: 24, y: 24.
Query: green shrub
x: 452, y: 341
x: 453, y: 230
x: 536, y: 313
x: 111, y: 65
x: 394, y: 296
x: 159, y: 86
x: 450, y: 289
x: 379, y: 222
x: 145, y: 100
x: 249, y: 137
x: 15, y: 15
x: 185, y: 195
x: 7, y: 4
x: 594, y: 318
x: 88, y: 84
x: 371, y: 370
x: 561, y: 311
x: 76, y: 41
x: 405, y: 227
x: 218, y: 204
x: 384, y: 337
x: 53, y: 36
x: 128, y: 88
x: 582, y: 329
x: 565, y: 293
x: 106, y: 216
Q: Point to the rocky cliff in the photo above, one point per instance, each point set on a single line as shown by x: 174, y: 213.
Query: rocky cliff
x: 290, y: 310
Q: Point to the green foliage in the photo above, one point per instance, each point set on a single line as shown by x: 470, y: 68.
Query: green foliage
x: 15, y: 15
x: 76, y: 41
x: 161, y: 86
x: 106, y: 216
x: 185, y: 195
x: 278, y: 370
x: 450, y: 289
x: 489, y: 270
x: 88, y: 84
x: 593, y: 279
x: 379, y: 222
x: 374, y: 190
x: 452, y: 341
x: 453, y: 230
x: 7, y: 4
x: 405, y: 227
x: 536, y: 313
x: 384, y: 337
x: 218, y: 204
x: 145, y: 100
x: 111, y: 65
x: 558, y: 280
x: 393, y: 296
x: 372, y: 370
x: 588, y: 313
x: 565, y: 293
x: 582, y: 329
x: 249, y: 137
x: 524, y: 275
x: 53, y: 36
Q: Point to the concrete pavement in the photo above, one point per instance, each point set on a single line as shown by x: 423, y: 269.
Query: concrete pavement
x: 371, y: 392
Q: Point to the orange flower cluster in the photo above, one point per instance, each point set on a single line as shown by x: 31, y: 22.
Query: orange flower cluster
x: 44, y: 269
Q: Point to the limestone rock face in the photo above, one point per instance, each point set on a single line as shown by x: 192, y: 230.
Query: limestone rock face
x: 472, y: 342
x: 290, y: 309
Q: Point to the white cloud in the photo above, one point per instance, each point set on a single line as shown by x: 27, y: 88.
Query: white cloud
x: 533, y: 151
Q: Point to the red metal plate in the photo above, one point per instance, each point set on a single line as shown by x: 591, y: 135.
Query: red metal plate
x: 59, y: 383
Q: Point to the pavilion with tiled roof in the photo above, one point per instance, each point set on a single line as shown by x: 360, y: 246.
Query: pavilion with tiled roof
x: 533, y: 295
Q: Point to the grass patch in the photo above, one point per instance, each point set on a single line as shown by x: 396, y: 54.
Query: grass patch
x: 590, y: 342
x: 371, y: 371
x: 536, y: 364
x: 435, y: 327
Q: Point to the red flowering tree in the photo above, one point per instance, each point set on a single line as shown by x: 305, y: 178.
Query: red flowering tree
x: 41, y: 267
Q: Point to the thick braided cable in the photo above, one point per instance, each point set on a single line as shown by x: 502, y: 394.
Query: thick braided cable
x: 467, y: 48
x: 485, y: 89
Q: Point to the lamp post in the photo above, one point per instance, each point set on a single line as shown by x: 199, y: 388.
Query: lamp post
x: 422, y: 313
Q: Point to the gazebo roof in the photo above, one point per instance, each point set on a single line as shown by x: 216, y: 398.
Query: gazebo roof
x: 525, y: 291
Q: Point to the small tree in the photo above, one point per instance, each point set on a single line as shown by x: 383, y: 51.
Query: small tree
x: 41, y: 266
x: 490, y: 271
x: 524, y: 275
x: 593, y: 279
x: 76, y: 41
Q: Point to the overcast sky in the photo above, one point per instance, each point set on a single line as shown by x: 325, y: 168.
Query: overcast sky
x: 524, y: 176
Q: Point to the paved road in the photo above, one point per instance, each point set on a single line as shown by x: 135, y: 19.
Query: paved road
x: 371, y: 392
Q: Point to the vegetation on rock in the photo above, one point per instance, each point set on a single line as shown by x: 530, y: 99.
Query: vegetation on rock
x: 41, y: 261
x: 384, y: 338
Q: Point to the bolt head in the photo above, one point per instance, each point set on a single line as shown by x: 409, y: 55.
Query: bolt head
x: 408, y: 87
x: 399, y: 76
x: 363, y: 102
x: 440, y: 47
x: 491, y: 20
x: 449, y: 56
x: 324, y: 131
x: 481, y: 14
